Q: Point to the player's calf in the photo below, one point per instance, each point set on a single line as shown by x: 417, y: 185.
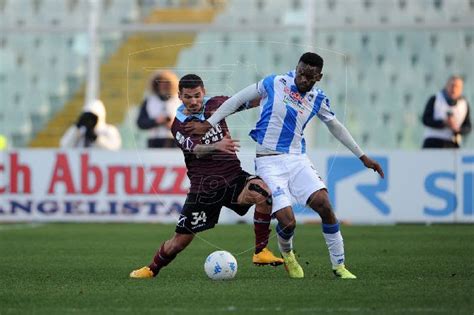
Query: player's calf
x: 164, y: 256
x: 169, y: 250
x: 261, y: 225
x: 319, y: 202
x: 256, y: 192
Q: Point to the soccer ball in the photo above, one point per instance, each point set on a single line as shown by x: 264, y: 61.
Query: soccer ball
x: 220, y: 265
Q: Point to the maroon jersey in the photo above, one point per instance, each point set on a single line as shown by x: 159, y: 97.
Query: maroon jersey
x: 214, y: 170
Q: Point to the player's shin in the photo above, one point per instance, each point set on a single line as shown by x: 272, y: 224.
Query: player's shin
x: 261, y: 223
x: 333, y: 237
x: 160, y: 260
x: 285, y: 238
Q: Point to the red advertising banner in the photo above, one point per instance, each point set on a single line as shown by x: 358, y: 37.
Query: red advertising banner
x: 75, y: 185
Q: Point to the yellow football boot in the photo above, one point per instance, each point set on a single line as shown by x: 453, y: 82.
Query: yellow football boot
x: 142, y: 273
x: 292, y: 266
x: 266, y: 257
x: 343, y: 273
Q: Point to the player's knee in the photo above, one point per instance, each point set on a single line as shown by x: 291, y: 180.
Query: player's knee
x: 319, y: 202
x: 325, y: 212
x: 288, y: 226
x: 286, y: 229
x: 259, y: 192
x: 262, y: 185
x: 263, y: 208
x: 286, y: 219
x: 291, y: 226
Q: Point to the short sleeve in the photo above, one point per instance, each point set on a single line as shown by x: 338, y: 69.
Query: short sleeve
x: 186, y: 142
x: 265, y: 86
x: 325, y: 114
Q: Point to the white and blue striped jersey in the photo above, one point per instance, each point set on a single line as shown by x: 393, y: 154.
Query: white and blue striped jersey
x: 285, y: 112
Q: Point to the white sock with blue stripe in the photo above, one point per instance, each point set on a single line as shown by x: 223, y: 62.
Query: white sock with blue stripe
x: 285, y: 239
x: 335, y: 243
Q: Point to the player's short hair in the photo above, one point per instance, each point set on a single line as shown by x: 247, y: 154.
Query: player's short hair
x: 312, y: 59
x: 190, y: 81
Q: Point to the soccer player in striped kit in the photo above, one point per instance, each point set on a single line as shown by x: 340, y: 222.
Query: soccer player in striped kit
x: 288, y: 103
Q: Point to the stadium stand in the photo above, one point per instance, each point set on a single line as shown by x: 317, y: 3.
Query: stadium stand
x: 124, y: 74
x: 393, y: 61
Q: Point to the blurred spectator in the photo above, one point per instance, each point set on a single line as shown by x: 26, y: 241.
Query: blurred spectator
x: 3, y: 142
x: 446, y: 116
x: 159, y: 108
x: 92, y: 131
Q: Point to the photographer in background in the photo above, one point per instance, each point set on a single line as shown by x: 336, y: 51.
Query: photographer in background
x: 159, y: 108
x: 91, y: 131
x: 446, y: 116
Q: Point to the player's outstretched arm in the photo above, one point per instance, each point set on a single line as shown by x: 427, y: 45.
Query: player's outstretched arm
x: 343, y: 135
x: 248, y: 96
x: 230, y: 106
x: 254, y: 103
x: 226, y: 145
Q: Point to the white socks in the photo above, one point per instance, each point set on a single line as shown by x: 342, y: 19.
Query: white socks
x: 285, y: 239
x: 285, y: 246
x: 332, y: 236
x: 335, y: 243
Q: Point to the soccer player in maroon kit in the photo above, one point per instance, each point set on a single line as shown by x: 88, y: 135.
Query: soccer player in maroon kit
x: 217, y: 180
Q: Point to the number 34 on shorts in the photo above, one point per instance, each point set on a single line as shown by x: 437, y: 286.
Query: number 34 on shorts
x: 198, y: 217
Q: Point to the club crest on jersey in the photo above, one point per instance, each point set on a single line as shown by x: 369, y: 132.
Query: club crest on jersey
x: 188, y: 143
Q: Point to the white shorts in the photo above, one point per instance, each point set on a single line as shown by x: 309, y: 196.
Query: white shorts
x: 288, y: 175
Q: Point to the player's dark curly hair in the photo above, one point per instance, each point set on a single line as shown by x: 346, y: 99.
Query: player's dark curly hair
x: 190, y: 81
x: 312, y: 59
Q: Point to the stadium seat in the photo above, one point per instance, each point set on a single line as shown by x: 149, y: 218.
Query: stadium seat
x: 381, y: 67
x: 132, y: 136
x: 119, y: 12
x: 16, y: 120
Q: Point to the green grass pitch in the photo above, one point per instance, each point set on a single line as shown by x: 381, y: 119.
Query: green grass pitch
x: 83, y: 269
